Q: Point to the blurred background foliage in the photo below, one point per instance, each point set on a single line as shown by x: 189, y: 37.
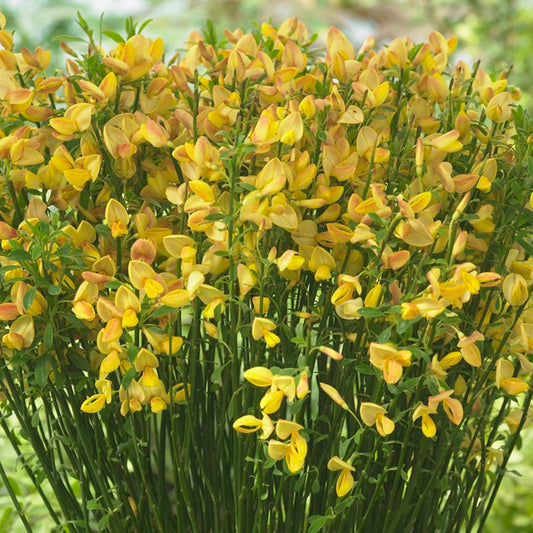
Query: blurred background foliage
x: 499, y: 32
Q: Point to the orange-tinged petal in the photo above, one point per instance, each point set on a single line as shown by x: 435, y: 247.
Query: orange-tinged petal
x: 110, y: 363
x: 453, y: 409
x: 471, y: 355
x: 112, y: 330
x: 84, y: 311
x: 331, y: 353
x: 8, y: 311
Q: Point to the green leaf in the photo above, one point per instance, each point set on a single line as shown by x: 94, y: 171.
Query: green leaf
x: 365, y: 369
x: 370, y: 312
x: 402, y: 326
x: 163, y: 310
x: 317, y: 522
x: 36, y: 252
x: 29, y: 297
x: 19, y: 255
x: 15, y: 486
x: 68, y: 38
x: 128, y: 376
x: 78, y: 360
x: 35, y: 419
x: 41, y: 371
x: 215, y: 376
x: 6, y: 519
x: 48, y: 335
x: 103, y: 522
x: 114, y: 35
x: 53, y: 290
x: 144, y: 24
x: 526, y: 246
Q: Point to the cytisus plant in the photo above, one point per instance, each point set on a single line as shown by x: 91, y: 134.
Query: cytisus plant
x: 256, y: 286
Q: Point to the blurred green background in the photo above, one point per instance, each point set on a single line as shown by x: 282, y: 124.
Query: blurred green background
x: 499, y: 32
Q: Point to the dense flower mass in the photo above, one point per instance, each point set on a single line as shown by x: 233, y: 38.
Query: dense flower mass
x: 348, y: 231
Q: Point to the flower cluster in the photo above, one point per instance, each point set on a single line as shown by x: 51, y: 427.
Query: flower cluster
x: 349, y: 231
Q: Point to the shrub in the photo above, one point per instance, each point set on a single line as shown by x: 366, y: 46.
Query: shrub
x: 330, y: 252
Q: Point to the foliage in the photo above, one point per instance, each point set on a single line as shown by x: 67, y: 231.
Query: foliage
x: 253, y: 287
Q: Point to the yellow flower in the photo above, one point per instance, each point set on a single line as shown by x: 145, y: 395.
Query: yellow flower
x: 515, y: 289
x: 372, y: 413
x: 130, y: 306
x: 21, y: 333
x: 93, y: 404
x: 293, y: 452
x: 259, y: 376
x: 333, y: 393
x: 345, y: 481
x: 286, y: 384
x: 302, y: 390
x: 428, y: 426
x: 247, y: 424
x: 117, y: 218
x: 390, y: 360
x: 262, y: 329
x: 452, y: 406
x: 505, y: 380
x: 469, y: 349
x: 76, y: 118
x: 271, y: 401
x: 142, y: 276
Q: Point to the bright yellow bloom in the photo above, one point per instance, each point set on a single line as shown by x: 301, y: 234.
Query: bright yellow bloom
x: 142, y: 276
x: 515, y: 289
x: 117, y: 218
x: 262, y: 329
x: 271, y: 401
x: 372, y: 413
x: 505, y: 378
x: 94, y: 404
x: 345, y: 481
x: 259, y: 376
x: 428, y: 426
x: 293, y: 452
x: 21, y: 333
x: 390, y: 360
x: 247, y: 424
